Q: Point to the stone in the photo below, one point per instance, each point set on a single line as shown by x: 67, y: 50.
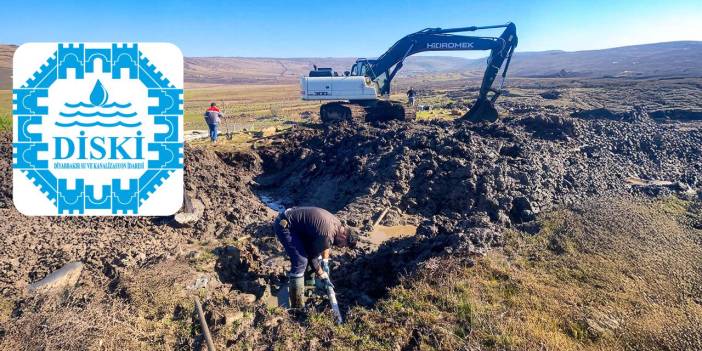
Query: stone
x: 64, y: 277
x: 266, y: 132
x: 188, y: 218
x: 199, y: 283
x: 247, y: 298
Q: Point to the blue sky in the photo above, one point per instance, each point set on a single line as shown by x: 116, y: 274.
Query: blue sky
x: 345, y: 28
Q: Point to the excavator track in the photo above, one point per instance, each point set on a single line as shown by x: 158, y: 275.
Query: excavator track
x: 336, y: 112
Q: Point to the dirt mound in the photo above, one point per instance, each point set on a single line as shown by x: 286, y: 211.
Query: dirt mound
x: 508, y: 171
x: 31, y: 247
x: 549, y: 126
x: 678, y: 114
x: 468, y: 181
x: 636, y: 114
x: 465, y: 186
x: 551, y: 95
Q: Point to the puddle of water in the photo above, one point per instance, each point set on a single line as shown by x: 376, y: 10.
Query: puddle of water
x: 272, y: 204
x: 381, y: 233
x: 281, y: 299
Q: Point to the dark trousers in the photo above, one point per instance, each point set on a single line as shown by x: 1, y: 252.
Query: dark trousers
x: 293, y: 247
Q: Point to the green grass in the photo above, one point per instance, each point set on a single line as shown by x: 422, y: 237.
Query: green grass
x: 5, y: 110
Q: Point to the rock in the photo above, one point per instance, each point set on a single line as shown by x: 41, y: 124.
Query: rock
x: 273, y: 322
x: 193, y: 255
x: 247, y: 298
x: 680, y: 186
x: 551, y: 94
x: 266, y: 132
x: 66, y: 276
x: 600, y: 323
x: 187, y: 218
x: 199, y: 283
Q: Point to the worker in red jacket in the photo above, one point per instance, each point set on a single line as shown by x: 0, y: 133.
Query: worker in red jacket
x: 213, y: 116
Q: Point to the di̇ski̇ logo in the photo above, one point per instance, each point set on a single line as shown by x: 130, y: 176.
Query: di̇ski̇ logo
x: 98, y: 129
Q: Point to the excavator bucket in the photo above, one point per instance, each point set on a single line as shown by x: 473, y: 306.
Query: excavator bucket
x: 482, y: 110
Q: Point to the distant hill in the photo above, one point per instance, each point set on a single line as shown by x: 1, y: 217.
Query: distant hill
x: 679, y: 58
x: 6, y: 52
x: 271, y: 70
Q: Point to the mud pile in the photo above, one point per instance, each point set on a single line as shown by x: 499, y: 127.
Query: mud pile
x: 507, y: 171
x: 31, y: 247
x: 459, y: 175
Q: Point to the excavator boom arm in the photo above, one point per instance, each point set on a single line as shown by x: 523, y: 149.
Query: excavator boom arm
x: 501, y: 48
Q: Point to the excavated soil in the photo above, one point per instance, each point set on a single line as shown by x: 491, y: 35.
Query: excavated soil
x: 32, y: 247
x: 462, y: 184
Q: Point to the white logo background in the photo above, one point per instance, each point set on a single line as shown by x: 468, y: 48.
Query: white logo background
x: 122, y: 114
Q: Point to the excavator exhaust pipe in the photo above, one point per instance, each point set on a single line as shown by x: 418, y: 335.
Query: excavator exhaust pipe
x: 482, y: 110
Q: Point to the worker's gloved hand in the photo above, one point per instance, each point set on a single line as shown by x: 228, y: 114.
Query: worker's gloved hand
x: 325, y: 282
x: 325, y: 265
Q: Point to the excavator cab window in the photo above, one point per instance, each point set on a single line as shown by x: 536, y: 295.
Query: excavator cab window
x: 359, y: 68
x: 323, y: 72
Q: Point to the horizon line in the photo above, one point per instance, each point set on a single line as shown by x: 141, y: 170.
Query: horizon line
x: 459, y: 57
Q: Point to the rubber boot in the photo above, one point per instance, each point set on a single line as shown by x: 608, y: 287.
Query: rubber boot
x: 297, y: 292
x: 310, y: 277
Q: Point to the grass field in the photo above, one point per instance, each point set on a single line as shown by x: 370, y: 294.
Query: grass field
x: 572, y: 286
x: 247, y: 106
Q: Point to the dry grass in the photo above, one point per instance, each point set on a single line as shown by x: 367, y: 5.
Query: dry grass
x: 607, y: 276
x: 80, y: 319
x: 248, y: 106
x: 149, y: 310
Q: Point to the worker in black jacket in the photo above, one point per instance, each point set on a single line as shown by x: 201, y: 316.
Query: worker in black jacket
x: 307, y: 233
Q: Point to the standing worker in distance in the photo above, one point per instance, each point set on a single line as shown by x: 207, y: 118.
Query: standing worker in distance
x: 307, y: 233
x: 411, y: 94
x: 213, y: 116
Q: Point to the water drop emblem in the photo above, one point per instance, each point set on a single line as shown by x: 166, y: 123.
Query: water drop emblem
x: 98, y: 96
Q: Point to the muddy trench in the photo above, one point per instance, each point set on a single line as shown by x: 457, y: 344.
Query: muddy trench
x: 447, y: 188
x: 459, y: 186
x: 392, y: 249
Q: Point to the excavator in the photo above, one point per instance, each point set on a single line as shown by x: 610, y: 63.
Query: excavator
x: 367, y: 84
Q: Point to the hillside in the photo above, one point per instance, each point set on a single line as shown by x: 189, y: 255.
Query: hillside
x: 650, y: 60
x: 660, y: 59
x: 6, y: 52
x: 272, y: 70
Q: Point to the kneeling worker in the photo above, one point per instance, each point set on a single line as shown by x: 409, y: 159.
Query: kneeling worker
x: 308, y: 233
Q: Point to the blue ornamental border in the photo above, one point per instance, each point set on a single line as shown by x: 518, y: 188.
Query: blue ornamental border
x: 28, y: 112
